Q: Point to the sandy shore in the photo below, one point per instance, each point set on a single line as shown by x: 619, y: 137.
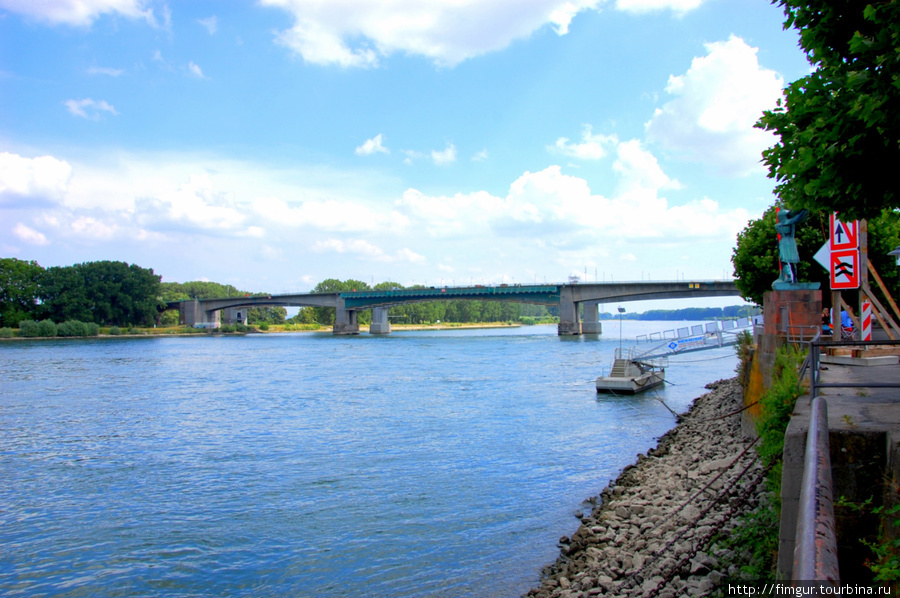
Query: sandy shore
x: 648, y: 533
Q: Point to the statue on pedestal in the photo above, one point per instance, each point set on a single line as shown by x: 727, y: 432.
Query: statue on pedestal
x: 788, y: 256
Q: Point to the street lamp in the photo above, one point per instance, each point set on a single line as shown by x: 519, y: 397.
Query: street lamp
x: 621, y: 311
x: 896, y: 254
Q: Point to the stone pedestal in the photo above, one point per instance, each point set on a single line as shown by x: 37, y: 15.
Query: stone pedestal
x: 795, y: 314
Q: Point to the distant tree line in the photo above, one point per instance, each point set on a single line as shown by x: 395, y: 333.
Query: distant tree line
x: 426, y: 312
x: 690, y: 313
x: 118, y: 294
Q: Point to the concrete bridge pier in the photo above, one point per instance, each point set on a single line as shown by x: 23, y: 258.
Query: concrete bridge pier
x: 346, y: 321
x: 590, y: 323
x: 568, y: 313
x: 190, y: 314
x: 380, y: 323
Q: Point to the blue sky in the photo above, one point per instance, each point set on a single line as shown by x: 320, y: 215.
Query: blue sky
x: 272, y: 144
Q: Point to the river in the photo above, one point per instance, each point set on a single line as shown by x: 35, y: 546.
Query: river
x: 427, y: 464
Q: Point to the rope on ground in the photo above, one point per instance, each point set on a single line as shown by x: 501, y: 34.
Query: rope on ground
x: 633, y: 578
x: 714, y: 530
x: 709, y: 483
x: 703, y: 421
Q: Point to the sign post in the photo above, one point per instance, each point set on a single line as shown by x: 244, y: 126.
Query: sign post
x: 844, y: 245
x: 845, y: 266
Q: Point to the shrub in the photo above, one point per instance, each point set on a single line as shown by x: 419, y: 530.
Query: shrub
x: 72, y: 328
x: 227, y: 328
x: 47, y: 328
x: 92, y: 329
x: 29, y: 328
x: 7, y: 333
x: 115, y: 330
x: 134, y: 330
x: 264, y: 326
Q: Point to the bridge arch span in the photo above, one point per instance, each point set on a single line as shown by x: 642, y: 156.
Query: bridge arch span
x: 567, y: 296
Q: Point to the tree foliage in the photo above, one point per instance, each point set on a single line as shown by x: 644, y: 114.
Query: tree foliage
x: 755, y: 256
x: 19, y: 290
x: 107, y: 293
x: 839, y: 127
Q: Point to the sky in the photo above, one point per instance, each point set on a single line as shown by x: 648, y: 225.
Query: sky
x: 272, y: 144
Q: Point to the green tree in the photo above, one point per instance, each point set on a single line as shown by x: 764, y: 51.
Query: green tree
x: 63, y: 295
x: 19, y: 290
x: 325, y: 315
x: 839, y: 127
x: 108, y: 293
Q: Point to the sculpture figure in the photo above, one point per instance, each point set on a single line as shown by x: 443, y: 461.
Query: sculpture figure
x: 787, y: 244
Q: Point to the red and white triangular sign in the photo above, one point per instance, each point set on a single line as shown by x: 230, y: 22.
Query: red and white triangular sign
x: 844, y: 235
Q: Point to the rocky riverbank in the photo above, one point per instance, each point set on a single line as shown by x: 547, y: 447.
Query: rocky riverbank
x: 649, y: 532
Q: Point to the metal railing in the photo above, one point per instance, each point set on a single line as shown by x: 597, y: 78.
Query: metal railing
x: 814, y: 360
x: 815, y: 546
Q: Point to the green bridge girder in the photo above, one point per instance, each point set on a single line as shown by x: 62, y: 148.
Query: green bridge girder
x: 545, y: 294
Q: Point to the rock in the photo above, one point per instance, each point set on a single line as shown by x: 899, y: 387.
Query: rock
x: 635, y: 515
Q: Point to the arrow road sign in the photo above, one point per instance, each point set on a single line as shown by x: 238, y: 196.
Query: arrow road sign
x: 844, y: 235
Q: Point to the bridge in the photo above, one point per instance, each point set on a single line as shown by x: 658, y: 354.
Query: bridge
x: 579, y: 311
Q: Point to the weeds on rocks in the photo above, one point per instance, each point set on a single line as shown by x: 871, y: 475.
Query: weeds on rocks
x: 755, y: 540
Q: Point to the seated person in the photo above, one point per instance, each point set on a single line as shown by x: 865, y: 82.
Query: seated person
x: 826, y: 322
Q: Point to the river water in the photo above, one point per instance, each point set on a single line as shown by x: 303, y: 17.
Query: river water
x: 426, y: 464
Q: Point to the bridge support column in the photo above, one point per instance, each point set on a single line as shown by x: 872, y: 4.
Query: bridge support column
x: 191, y: 314
x: 568, y: 313
x: 380, y: 323
x: 345, y: 320
x: 590, y: 323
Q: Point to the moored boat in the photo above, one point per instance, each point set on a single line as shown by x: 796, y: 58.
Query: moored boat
x: 631, y: 376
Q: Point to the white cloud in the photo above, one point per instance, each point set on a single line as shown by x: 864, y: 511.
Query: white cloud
x: 29, y: 235
x: 551, y: 204
x: 92, y: 228
x: 372, y: 146
x: 366, y: 250
x: 411, y: 156
x: 196, y: 204
x: 89, y: 108
x: 592, y: 147
x: 80, y: 13
x: 195, y: 70
x: 643, y: 6
x: 356, y: 33
x: 480, y: 156
x: 43, y: 177
x: 327, y: 215
x: 109, y: 72
x: 639, y: 169
x: 445, y: 156
x: 211, y: 24
x: 716, y: 103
